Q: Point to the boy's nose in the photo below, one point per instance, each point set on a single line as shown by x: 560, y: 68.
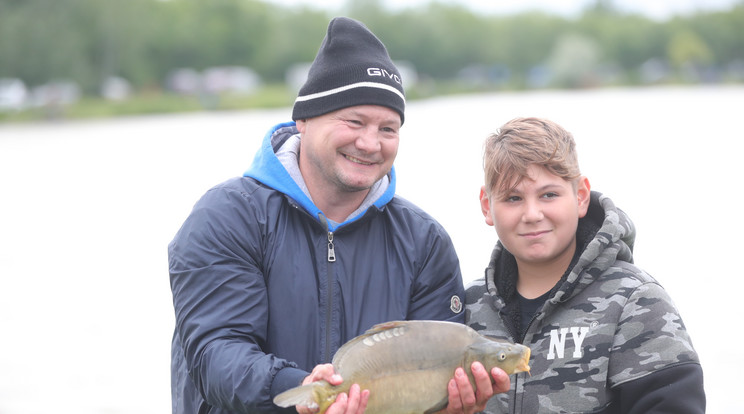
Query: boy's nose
x: 532, y: 212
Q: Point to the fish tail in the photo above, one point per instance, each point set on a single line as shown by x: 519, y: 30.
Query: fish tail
x: 318, y: 395
x: 302, y: 395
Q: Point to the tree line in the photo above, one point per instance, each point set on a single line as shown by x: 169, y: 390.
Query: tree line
x: 142, y: 41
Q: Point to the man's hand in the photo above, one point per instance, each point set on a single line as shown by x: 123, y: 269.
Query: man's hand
x: 462, y: 399
x: 353, y: 403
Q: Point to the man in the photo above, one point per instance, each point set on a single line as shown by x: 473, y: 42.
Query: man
x: 273, y: 271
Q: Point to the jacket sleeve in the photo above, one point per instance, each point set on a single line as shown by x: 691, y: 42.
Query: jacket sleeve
x: 678, y: 389
x: 653, y: 365
x: 220, y: 302
x: 438, y: 291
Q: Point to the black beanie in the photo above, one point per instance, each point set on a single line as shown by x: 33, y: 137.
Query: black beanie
x: 352, y: 68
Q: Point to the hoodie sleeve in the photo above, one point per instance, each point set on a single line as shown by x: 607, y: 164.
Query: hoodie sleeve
x: 220, y: 302
x: 678, y: 389
x: 653, y: 366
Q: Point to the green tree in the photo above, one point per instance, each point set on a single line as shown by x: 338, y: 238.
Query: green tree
x: 687, y: 47
x: 143, y: 40
x: 574, y: 61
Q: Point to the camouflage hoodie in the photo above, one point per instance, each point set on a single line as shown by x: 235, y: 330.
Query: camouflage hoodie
x: 605, y: 324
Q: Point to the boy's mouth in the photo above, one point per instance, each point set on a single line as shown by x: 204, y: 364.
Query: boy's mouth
x: 534, y: 234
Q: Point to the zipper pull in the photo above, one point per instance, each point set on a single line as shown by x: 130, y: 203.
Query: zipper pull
x: 331, y: 250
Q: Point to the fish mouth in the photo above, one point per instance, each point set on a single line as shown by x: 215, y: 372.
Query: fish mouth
x: 524, y: 362
x: 523, y: 367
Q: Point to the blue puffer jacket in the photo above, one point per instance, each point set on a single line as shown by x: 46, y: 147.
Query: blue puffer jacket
x: 258, y: 301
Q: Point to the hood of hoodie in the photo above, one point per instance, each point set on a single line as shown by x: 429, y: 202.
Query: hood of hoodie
x: 269, y: 170
x: 605, y: 235
x: 613, y: 241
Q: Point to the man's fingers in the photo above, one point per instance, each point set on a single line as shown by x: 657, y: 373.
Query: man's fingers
x: 301, y: 409
x: 352, y: 405
x: 355, y: 402
x: 339, y: 407
x: 323, y: 372
x: 363, y: 401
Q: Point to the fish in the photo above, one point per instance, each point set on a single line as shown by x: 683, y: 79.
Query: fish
x: 406, y: 366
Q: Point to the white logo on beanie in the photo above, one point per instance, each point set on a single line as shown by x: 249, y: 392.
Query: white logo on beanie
x: 384, y: 73
x: 352, y: 68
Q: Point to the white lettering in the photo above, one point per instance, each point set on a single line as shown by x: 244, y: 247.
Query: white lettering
x: 383, y: 73
x: 578, y: 334
x: 558, y: 341
x: 557, y: 344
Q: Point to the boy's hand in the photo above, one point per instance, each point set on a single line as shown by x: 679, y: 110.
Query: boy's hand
x: 462, y: 399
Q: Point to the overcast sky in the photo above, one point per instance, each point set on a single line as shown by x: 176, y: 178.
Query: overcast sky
x: 657, y: 9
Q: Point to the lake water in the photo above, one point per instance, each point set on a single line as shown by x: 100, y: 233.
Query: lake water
x: 88, y: 208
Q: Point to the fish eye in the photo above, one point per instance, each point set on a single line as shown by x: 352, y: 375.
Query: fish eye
x: 502, y: 356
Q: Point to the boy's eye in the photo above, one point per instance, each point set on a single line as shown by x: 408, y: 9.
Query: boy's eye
x: 512, y: 199
x: 550, y: 195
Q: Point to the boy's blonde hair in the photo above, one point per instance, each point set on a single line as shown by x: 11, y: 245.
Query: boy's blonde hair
x: 522, y: 142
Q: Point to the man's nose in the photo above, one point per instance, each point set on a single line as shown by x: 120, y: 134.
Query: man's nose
x: 369, y: 139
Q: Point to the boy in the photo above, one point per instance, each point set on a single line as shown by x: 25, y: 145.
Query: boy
x: 605, y: 336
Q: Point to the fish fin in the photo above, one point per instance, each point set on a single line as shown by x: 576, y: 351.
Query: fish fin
x: 380, y: 327
x: 438, y: 406
x: 385, y: 326
x: 302, y: 395
x: 496, y: 339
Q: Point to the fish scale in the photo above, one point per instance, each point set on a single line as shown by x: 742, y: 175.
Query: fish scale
x: 406, y: 366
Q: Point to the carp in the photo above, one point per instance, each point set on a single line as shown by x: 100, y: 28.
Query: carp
x: 406, y: 366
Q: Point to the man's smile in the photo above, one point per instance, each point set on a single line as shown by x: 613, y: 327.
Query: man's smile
x: 356, y: 160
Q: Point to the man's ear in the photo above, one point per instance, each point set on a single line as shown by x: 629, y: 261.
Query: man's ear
x: 301, y: 124
x: 486, y: 206
x: 583, y: 193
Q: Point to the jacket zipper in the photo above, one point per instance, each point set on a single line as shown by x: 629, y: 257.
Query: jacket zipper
x: 331, y: 250
x: 520, y: 339
x: 523, y: 376
x: 329, y: 289
x: 511, y: 329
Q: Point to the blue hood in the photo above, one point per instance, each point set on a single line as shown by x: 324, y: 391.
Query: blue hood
x: 267, y: 169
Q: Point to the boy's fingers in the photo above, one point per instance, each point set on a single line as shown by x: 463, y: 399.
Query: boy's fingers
x: 502, y: 383
x: 467, y: 396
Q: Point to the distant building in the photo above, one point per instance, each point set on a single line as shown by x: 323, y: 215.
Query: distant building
x: 55, y: 93
x: 13, y: 95
x: 214, y: 80
x: 230, y: 79
x: 115, y: 88
x: 484, y: 75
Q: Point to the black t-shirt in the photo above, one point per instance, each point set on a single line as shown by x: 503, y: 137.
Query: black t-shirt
x: 528, y: 308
